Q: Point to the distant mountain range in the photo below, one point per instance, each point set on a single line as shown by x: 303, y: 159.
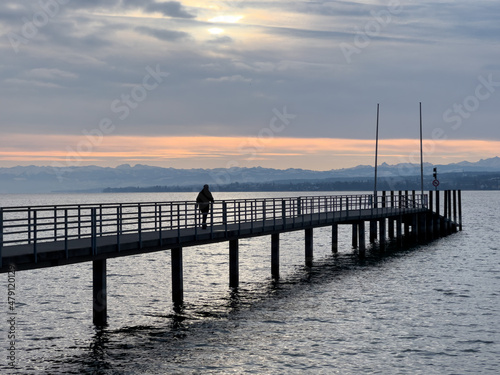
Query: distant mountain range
x: 34, y: 179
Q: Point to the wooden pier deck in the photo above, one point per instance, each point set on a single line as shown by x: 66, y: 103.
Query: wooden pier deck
x: 48, y: 236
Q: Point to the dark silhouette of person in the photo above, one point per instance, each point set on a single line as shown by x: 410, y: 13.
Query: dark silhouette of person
x: 203, y: 200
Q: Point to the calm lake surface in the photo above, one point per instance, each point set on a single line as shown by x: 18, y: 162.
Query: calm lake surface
x: 428, y: 309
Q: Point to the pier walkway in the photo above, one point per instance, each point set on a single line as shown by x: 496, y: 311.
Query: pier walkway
x: 46, y: 236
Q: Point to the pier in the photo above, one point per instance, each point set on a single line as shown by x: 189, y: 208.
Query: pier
x: 47, y: 236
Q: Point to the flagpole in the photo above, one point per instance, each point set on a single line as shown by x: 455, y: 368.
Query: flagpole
x: 376, y: 162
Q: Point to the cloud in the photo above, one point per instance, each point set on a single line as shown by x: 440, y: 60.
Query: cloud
x: 170, y: 8
x: 235, y: 78
x: 221, y: 40
x: 50, y: 74
x: 166, y: 35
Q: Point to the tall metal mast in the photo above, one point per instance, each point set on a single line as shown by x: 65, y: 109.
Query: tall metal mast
x: 376, y: 162
x: 421, y: 155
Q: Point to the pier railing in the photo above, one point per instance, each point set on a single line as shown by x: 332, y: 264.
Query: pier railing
x: 37, y: 224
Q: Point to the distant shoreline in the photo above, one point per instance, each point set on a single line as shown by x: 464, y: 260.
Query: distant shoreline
x: 462, y: 181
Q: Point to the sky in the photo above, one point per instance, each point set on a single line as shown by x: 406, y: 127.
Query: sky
x: 280, y: 84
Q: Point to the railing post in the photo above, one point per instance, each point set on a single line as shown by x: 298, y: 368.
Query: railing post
x: 460, y: 210
x: 224, y: 214
x: 55, y: 224
x: 178, y: 223
x: 66, y: 233
x: 30, y: 232
x: 224, y: 217
x: 139, y: 214
x: 283, y: 212
x: 160, y: 224
x: 79, y: 222
x: 274, y: 213
x: 299, y: 208
x: 156, y: 217
x: 93, y: 229
x: 35, y: 236
x: 118, y: 227
x: 100, y: 219
x: 196, y: 221
x: 263, y: 214
x: 1, y: 235
x: 251, y: 216
x: 239, y: 218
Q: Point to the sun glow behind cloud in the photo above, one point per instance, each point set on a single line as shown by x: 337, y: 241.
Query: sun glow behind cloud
x: 226, y: 19
x: 215, y: 30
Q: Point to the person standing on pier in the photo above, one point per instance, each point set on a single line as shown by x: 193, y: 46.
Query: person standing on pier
x: 203, y: 201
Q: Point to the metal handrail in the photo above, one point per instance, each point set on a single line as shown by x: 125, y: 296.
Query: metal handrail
x: 37, y: 224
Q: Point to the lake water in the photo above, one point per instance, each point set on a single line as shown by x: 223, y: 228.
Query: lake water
x: 429, y: 309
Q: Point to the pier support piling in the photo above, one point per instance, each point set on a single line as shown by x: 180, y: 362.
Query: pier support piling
x: 177, y: 276
x: 355, y: 235
x: 234, y: 273
x: 335, y: 238
x: 99, y: 291
x: 382, y: 231
x: 373, y: 231
x: 406, y: 224
x: 454, y: 210
x: 415, y: 232
x: 362, y: 242
x: 309, y: 246
x: 460, y: 210
x: 399, y: 234
x: 275, y: 255
x: 391, y: 228
x: 437, y: 219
